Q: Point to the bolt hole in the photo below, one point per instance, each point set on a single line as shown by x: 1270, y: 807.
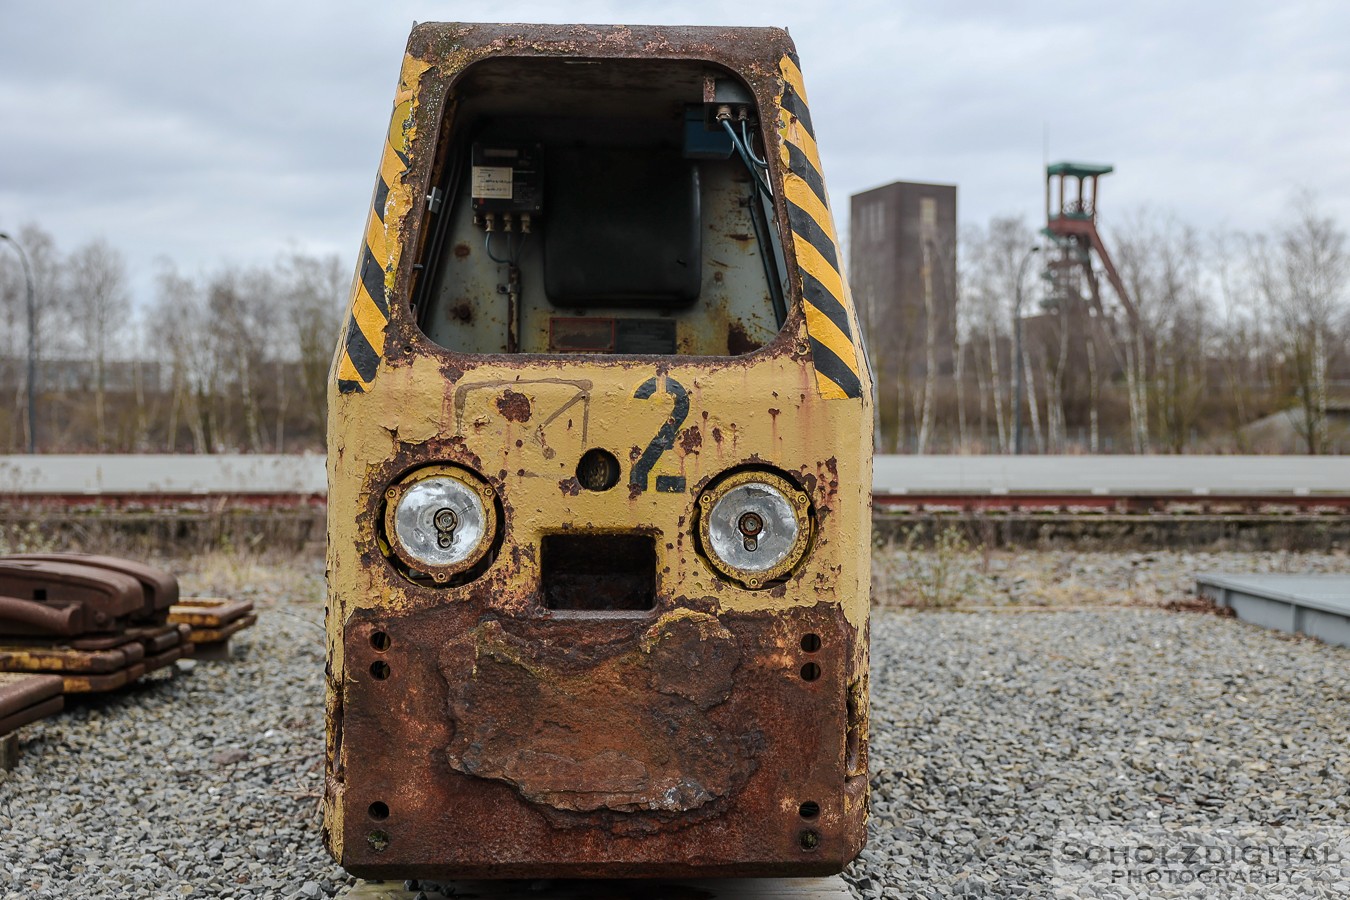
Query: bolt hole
x: 809, y: 840
x: 380, y: 641
x: 810, y: 672
x: 808, y: 810
x: 810, y: 642
x: 380, y: 669
x: 598, y: 470
x: 379, y: 810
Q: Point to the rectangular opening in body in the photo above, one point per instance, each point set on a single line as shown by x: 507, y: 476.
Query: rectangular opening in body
x: 599, y: 572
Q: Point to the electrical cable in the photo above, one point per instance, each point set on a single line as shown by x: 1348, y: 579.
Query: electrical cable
x: 513, y: 248
x: 746, y: 157
x: 749, y: 147
x: 487, y: 246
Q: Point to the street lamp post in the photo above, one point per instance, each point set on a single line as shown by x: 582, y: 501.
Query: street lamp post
x: 1017, y: 352
x: 32, y: 343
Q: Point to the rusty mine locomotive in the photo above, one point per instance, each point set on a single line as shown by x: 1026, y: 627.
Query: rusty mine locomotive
x: 599, y: 471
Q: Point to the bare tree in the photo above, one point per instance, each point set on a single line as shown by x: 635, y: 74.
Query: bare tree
x: 1302, y: 277
x: 177, y: 326
x: 992, y: 259
x: 315, y: 291
x: 96, y: 283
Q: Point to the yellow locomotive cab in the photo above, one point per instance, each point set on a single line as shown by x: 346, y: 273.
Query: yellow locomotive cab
x: 599, y: 471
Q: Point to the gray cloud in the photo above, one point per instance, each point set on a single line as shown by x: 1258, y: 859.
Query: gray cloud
x: 235, y: 131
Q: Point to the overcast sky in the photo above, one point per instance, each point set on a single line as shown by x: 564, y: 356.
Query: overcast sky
x: 212, y: 132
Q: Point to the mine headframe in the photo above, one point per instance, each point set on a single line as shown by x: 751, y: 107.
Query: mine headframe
x: 1071, y: 224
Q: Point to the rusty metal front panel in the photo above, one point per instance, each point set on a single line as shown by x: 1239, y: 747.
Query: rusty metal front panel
x: 717, y: 727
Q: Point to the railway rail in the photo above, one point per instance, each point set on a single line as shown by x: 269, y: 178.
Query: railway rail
x: 902, y: 485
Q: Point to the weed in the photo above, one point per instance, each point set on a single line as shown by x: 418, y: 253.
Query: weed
x: 916, y: 571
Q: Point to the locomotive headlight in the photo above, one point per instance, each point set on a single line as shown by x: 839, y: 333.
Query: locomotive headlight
x: 440, y: 521
x: 754, y: 527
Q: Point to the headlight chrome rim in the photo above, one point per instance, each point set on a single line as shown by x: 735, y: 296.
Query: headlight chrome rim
x: 737, y: 511
x: 451, y: 533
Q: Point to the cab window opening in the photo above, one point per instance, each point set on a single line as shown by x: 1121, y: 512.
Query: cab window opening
x: 601, y: 209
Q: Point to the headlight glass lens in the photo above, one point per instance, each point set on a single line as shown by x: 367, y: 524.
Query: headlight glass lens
x: 440, y: 522
x: 754, y: 526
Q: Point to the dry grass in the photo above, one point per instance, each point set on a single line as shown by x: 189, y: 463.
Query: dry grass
x: 298, y: 579
x: 949, y: 573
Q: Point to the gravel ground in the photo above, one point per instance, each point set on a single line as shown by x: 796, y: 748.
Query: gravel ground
x: 205, y: 784
x: 993, y: 736
x: 992, y: 733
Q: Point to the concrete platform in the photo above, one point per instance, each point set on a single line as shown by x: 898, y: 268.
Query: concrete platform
x: 1315, y: 605
x: 636, y: 889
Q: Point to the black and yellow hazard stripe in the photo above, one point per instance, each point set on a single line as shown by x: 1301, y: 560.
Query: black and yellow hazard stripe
x: 363, y: 341
x: 831, y: 322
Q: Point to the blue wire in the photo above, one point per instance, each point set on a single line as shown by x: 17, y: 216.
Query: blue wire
x: 487, y: 245
x: 749, y: 148
x: 745, y: 157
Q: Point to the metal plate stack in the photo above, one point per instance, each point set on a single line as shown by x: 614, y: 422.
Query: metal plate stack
x: 213, y: 620
x: 27, y: 698
x: 97, y: 622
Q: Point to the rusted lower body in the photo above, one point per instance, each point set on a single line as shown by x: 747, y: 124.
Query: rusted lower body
x: 636, y: 745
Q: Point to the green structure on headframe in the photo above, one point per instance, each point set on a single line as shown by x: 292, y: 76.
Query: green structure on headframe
x: 1071, y: 222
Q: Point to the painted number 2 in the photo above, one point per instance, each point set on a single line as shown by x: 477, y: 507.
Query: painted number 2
x: 664, y: 440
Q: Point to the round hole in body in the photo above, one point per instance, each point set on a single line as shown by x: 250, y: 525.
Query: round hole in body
x: 598, y: 470
x: 810, y: 672
x: 380, y: 669
x: 379, y: 810
x: 380, y: 641
x: 809, y: 840
x: 810, y: 642
x: 809, y: 810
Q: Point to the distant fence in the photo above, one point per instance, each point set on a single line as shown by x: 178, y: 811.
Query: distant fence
x: 1112, y: 500
x: 164, y: 479
x: 898, y: 480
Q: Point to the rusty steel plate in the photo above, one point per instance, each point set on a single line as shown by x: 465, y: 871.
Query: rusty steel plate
x: 495, y: 747
x: 102, y: 642
x: 80, y: 683
x: 99, y: 597
x: 30, y: 714
x: 20, y: 615
x: 157, y: 639
x: 224, y: 633
x: 65, y: 659
x: 209, y: 612
x: 167, y: 658
x: 134, y: 652
x: 19, y: 690
x: 159, y: 587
